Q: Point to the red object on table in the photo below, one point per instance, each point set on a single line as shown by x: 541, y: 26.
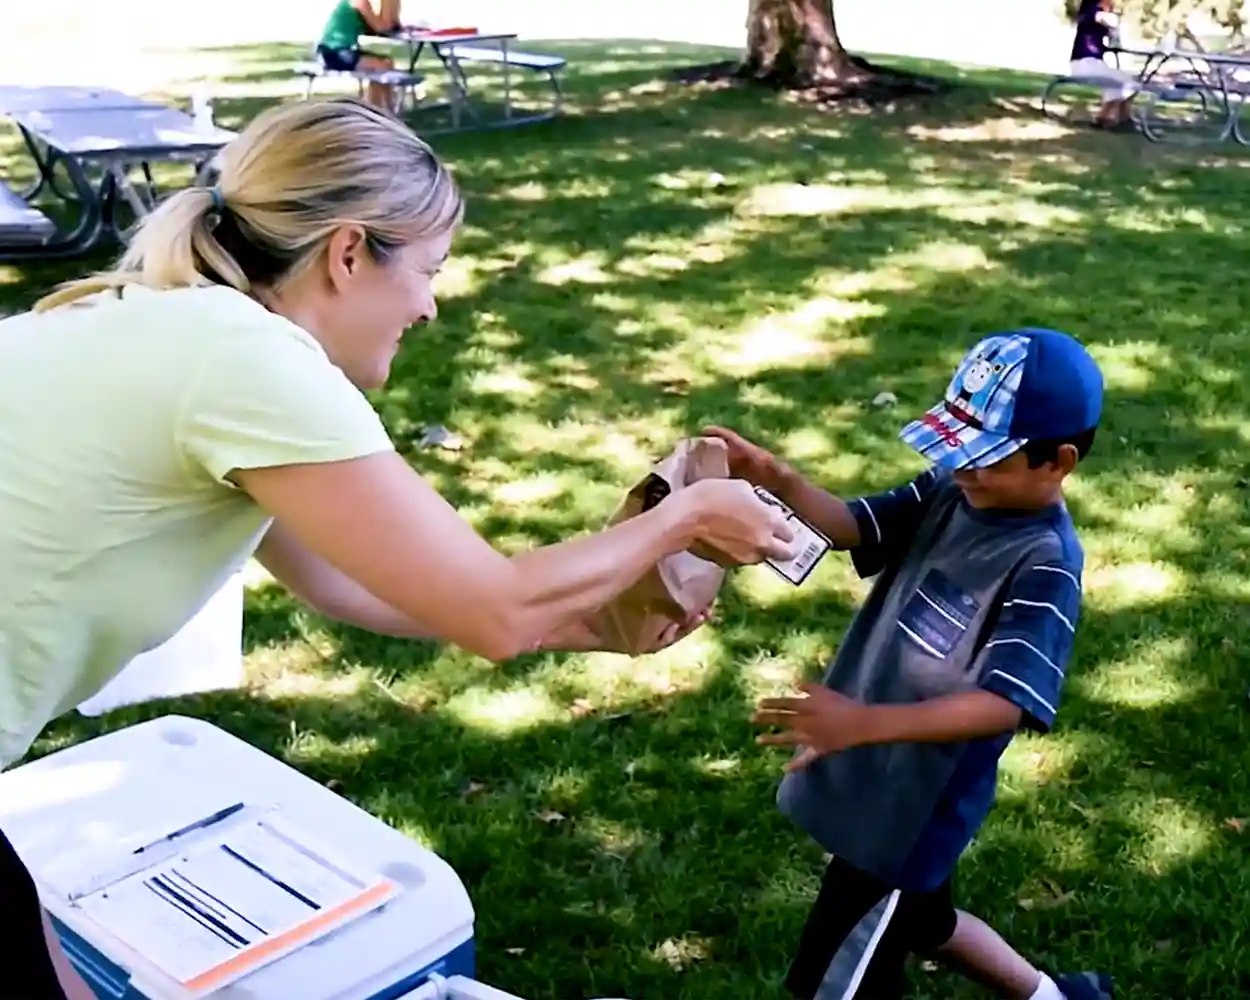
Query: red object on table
x: 449, y: 31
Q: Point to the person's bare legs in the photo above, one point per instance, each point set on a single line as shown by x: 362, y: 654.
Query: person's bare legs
x: 380, y: 95
x: 1114, y: 111
x: 979, y: 952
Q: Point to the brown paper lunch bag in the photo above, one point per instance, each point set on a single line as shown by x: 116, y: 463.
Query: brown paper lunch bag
x: 680, y: 584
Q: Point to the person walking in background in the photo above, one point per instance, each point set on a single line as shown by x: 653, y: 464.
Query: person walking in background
x: 1096, y: 24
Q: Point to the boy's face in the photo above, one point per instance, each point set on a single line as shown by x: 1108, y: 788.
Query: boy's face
x: 1012, y: 485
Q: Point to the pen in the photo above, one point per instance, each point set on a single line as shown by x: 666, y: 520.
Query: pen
x: 199, y: 824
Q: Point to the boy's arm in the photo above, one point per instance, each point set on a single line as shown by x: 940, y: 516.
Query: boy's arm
x: 820, y: 508
x: 1026, y: 658
x: 823, y: 721
x: 955, y: 718
x: 379, y: 17
x: 872, y: 528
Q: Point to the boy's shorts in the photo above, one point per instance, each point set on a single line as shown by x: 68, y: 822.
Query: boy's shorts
x: 860, y: 932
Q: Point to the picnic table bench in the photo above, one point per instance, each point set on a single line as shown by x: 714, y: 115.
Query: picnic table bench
x: 537, y: 62
x: 409, y: 84
x: 20, y: 224
x: 1201, y: 100
x: 1163, y: 89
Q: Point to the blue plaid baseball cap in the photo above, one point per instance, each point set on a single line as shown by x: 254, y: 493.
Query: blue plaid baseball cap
x: 1013, y: 387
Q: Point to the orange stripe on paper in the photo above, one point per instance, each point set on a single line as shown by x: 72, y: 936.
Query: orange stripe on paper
x: 258, y: 953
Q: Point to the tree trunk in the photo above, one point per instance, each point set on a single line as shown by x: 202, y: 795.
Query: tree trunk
x: 794, y: 44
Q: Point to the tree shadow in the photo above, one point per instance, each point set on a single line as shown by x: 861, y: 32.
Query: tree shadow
x: 665, y: 871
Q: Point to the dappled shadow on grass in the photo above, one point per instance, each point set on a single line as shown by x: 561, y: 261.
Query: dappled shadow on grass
x: 583, y: 842
x: 689, y: 256
x: 631, y: 848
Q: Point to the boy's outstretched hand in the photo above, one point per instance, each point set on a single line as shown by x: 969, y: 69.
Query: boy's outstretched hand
x: 746, y: 460
x: 821, y: 721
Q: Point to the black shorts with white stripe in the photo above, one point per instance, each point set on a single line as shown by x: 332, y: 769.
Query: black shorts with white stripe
x: 859, y: 933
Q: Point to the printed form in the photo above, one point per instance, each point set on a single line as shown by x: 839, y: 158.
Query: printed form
x: 232, y: 903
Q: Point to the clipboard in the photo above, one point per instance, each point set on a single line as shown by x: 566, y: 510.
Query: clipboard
x: 232, y: 894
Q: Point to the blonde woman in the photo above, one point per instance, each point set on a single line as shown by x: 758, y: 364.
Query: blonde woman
x: 162, y: 422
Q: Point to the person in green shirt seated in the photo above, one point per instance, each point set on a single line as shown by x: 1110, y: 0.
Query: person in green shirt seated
x: 339, y: 48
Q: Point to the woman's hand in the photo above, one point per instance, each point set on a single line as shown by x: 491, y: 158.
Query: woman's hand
x: 677, y: 631
x: 729, y: 516
x: 577, y: 636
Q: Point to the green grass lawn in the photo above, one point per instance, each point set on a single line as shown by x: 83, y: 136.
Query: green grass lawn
x: 663, y: 257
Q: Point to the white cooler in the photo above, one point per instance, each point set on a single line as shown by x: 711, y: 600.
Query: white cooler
x: 78, y: 817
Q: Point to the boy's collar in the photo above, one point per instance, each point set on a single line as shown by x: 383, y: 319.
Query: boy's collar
x: 1004, y: 516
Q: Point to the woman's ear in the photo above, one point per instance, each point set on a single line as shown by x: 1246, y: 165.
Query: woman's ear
x: 346, y: 251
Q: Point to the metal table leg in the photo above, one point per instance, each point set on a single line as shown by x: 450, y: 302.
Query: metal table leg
x: 507, y: 81
x: 85, y: 235
x: 460, y: 101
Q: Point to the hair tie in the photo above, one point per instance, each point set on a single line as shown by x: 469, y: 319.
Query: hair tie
x: 212, y: 218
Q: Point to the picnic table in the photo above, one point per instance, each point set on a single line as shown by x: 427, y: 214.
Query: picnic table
x: 96, y: 136
x: 17, y: 99
x: 54, y: 97
x: 444, y: 45
x: 1186, y: 93
x: 1217, y: 82
x: 455, y: 49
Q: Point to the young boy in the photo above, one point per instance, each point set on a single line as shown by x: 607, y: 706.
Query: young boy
x: 964, y: 638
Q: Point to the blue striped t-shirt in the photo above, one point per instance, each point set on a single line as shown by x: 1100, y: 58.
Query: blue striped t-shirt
x: 963, y: 599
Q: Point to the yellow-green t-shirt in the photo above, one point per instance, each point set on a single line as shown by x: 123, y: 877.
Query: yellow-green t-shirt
x: 119, y: 420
